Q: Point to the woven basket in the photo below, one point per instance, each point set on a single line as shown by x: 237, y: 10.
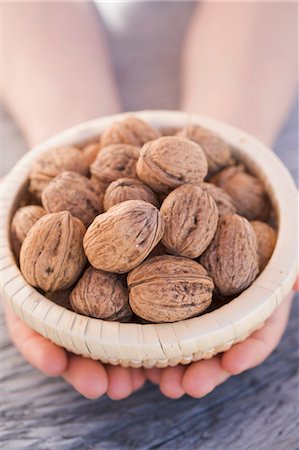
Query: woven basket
x: 158, y: 345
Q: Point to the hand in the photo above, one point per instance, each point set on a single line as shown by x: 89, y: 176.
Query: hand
x: 201, y: 377
x: 90, y: 378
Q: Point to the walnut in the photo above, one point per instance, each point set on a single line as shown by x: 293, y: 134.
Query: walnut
x: 223, y: 201
x: 72, y: 192
x: 266, y: 239
x: 217, y: 151
x: 53, y: 162
x: 120, y: 239
x: 169, y: 288
x: 247, y: 192
x: 190, y: 217
x: 90, y: 152
x: 115, y: 161
x: 102, y: 295
x: 128, y: 189
x: 52, y: 255
x: 169, y: 131
x: 231, y: 259
x: 22, y: 222
x: 132, y: 131
x: 169, y: 162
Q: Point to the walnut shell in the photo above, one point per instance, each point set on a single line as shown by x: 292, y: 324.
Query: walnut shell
x: 53, y: 162
x: 132, y: 131
x: 223, y: 201
x: 266, y: 239
x: 22, y: 222
x: 115, y: 161
x: 190, y: 219
x: 120, y: 239
x: 90, y: 152
x: 169, y: 288
x: 218, y: 152
x: 52, y: 255
x: 72, y: 192
x: 247, y: 192
x: 102, y: 295
x: 231, y: 259
x: 171, y: 161
x: 128, y: 189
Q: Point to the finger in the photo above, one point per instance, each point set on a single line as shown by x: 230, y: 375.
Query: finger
x: 36, y: 349
x: 87, y: 376
x: 153, y: 375
x: 138, y: 378
x: 201, y: 377
x: 120, y: 382
x: 171, y: 381
x: 296, y: 285
x: 255, y: 349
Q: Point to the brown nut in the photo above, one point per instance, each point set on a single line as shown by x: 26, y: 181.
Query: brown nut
x: 128, y: 189
x: 218, y: 152
x: 118, y: 240
x: 169, y: 288
x: 53, y: 162
x: 171, y: 161
x: 102, y: 295
x: 223, y: 201
x: 52, y: 255
x: 247, y: 192
x: 22, y: 222
x: 115, y: 161
x: 231, y: 259
x: 72, y: 192
x: 266, y: 239
x: 190, y: 219
x: 90, y: 152
x: 132, y: 131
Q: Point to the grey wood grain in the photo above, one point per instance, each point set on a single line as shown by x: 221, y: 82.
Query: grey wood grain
x: 256, y: 410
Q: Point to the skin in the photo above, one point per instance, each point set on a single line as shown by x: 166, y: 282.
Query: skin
x: 237, y: 65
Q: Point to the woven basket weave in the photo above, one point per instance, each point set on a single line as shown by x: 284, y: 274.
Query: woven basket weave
x: 158, y: 345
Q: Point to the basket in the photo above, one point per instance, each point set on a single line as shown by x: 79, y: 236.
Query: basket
x: 159, y: 345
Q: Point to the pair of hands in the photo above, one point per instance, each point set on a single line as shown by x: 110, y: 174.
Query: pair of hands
x: 93, y: 379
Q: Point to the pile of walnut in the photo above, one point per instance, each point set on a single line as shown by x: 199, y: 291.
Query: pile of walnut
x: 128, y: 228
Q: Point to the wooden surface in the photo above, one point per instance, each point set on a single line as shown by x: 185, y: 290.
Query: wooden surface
x: 256, y: 410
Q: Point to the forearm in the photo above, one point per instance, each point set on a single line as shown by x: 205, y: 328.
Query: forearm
x: 240, y: 64
x: 56, y: 70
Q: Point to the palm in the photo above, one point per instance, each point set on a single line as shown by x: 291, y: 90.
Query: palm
x: 90, y: 378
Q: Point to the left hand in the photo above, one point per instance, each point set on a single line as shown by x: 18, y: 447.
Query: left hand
x: 202, y: 377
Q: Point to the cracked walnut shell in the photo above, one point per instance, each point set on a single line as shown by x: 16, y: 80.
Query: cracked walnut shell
x: 72, y: 192
x: 248, y: 193
x: 190, y: 219
x: 169, y: 288
x: 171, y: 161
x: 101, y: 295
x: 52, y: 255
x: 128, y: 189
x: 231, y: 259
x: 132, y: 131
x: 53, y: 162
x: 121, y: 238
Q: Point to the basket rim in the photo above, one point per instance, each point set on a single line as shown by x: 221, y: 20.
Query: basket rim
x: 231, y: 320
